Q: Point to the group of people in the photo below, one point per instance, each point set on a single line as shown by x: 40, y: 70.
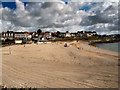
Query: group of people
x: 76, y: 45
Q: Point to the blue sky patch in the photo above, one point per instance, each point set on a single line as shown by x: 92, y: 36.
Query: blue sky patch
x: 86, y: 8
x: 11, y: 5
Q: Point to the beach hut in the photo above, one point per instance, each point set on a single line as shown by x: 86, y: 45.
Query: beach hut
x: 18, y: 41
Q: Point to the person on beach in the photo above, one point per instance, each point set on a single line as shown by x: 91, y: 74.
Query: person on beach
x: 77, y: 46
x: 9, y: 51
x: 65, y: 45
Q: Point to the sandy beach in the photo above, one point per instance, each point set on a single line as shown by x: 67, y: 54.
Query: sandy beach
x: 52, y: 65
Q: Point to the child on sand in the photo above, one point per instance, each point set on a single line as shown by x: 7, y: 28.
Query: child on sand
x: 65, y: 45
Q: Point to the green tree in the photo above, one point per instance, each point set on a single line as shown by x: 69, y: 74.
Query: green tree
x: 58, y: 33
x: 39, y: 31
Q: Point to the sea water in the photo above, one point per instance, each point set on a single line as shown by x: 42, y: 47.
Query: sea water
x: 110, y: 46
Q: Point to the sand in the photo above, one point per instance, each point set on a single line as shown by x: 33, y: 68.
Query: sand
x: 52, y: 65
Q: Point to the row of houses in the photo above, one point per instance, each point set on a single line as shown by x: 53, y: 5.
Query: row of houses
x: 47, y: 35
x: 15, y: 35
x: 81, y: 34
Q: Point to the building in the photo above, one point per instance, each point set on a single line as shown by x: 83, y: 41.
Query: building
x: 44, y: 36
x: 47, y: 35
x: 73, y: 34
x: 62, y: 34
x: 8, y: 35
x: 20, y: 35
x: 29, y: 35
x: 67, y: 34
x: 18, y: 41
x: 90, y: 33
x: 16, y: 35
x: 80, y: 34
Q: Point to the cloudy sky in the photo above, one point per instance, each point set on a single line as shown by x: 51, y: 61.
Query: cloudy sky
x: 60, y: 16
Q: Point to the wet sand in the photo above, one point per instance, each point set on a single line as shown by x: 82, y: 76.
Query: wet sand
x: 54, y: 66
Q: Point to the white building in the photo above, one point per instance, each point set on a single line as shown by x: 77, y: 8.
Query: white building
x: 68, y: 34
x: 18, y: 41
x: 90, y: 33
x: 8, y: 34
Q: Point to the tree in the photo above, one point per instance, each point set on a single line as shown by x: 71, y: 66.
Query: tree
x: 80, y: 32
x: 8, y: 31
x: 58, y: 33
x: 67, y: 31
x: 39, y: 31
x: 52, y: 34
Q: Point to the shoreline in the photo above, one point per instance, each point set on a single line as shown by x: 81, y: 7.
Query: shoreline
x: 96, y: 49
x: 109, y: 46
x: 102, y: 42
x: 94, y: 43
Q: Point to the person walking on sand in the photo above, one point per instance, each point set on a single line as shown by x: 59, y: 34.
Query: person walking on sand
x: 9, y: 51
x: 77, y: 46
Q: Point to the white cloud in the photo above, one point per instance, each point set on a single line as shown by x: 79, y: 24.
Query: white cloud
x: 53, y: 16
